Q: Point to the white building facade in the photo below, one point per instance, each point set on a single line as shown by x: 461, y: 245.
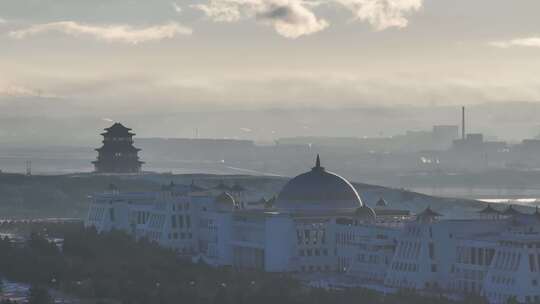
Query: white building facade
x: 318, y: 226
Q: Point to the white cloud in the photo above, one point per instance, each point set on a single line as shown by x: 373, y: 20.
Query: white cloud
x: 290, y: 18
x: 294, y: 18
x: 18, y: 90
x: 177, y: 8
x: 109, y: 33
x: 382, y: 14
x: 521, y: 42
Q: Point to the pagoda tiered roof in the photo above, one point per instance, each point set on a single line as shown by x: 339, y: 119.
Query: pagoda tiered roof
x: 117, y: 155
x: 118, y: 129
x: 99, y: 161
x: 125, y: 148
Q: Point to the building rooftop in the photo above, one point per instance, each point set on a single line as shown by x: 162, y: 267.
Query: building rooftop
x: 489, y: 210
x: 318, y: 190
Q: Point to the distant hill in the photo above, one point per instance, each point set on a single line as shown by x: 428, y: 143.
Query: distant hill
x: 67, y: 195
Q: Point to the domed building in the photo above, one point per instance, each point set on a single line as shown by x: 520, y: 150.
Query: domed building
x: 225, y: 202
x: 319, y: 229
x: 318, y: 192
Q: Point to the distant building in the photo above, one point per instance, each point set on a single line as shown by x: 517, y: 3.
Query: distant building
x: 117, y: 155
x: 447, y: 132
x: 443, y: 135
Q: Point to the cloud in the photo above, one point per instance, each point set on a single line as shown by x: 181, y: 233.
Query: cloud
x: 295, y: 18
x: 109, y: 33
x: 382, y: 14
x: 18, y: 90
x: 2, y: 20
x: 289, y: 18
x: 520, y: 42
x: 177, y: 8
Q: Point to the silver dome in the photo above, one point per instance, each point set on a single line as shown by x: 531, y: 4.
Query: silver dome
x: 318, y: 191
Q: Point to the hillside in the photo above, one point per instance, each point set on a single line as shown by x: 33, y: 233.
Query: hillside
x: 67, y: 195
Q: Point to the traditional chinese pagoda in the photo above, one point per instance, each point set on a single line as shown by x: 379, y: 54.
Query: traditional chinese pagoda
x: 117, y: 155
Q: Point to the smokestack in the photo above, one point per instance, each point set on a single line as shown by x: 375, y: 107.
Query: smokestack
x: 463, y: 123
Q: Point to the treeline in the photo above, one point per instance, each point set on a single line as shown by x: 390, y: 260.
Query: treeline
x: 112, y: 266
x: 44, y: 228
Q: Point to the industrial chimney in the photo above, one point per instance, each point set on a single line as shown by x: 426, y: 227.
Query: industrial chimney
x: 463, y: 123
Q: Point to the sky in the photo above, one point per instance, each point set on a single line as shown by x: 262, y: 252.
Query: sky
x: 111, y: 58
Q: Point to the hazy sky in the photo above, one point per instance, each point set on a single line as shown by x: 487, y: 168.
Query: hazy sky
x: 114, y: 57
x: 78, y: 64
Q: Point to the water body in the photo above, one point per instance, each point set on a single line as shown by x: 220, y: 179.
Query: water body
x: 524, y: 197
x: 531, y: 201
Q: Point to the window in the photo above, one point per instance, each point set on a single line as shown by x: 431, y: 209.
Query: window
x: 301, y: 252
x: 431, y: 251
x: 433, y: 267
x: 490, y: 254
x: 181, y: 221
x: 188, y: 221
x: 111, y: 214
x: 173, y: 221
x: 480, y: 256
